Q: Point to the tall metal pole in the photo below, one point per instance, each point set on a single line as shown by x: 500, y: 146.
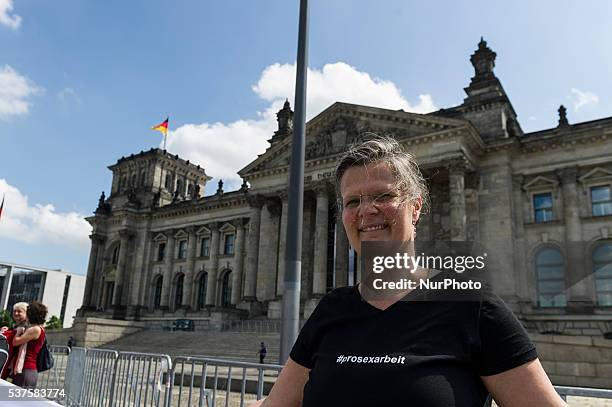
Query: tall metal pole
x: 293, y: 252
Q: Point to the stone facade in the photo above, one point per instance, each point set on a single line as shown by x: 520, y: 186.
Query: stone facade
x: 160, y: 250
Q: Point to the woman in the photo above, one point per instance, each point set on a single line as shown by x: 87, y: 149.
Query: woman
x: 24, y: 371
x: 21, y: 322
x: 354, y: 351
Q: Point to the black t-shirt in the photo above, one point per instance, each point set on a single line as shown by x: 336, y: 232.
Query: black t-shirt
x: 414, y: 353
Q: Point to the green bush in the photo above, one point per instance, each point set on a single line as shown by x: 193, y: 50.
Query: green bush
x: 54, y: 323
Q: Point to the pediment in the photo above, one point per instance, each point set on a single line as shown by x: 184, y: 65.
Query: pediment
x: 160, y: 237
x: 203, y: 231
x: 343, y: 124
x: 181, y: 234
x: 541, y: 182
x: 227, y: 227
x: 596, y: 174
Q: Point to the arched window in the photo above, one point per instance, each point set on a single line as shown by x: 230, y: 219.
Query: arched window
x: 124, y: 181
x: 602, y: 268
x: 133, y: 180
x: 190, y: 190
x: 179, y: 186
x: 141, y: 181
x: 550, y: 275
x: 202, y: 290
x: 178, y: 292
x: 157, y: 292
x: 226, y: 290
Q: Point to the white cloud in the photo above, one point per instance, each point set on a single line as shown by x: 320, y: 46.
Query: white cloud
x: 11, y: 21
x: 581, y: 98
x: 224, y: 148
x: 40, y: 223
x: 15, y: 91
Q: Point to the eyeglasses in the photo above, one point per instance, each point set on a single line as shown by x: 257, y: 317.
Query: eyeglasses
x: 379, y: 200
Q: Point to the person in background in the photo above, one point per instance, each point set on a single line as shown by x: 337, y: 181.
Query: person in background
x: 71, y: 342
x: 262, y: 352
x: 24, y: 372
x: 20, y: 320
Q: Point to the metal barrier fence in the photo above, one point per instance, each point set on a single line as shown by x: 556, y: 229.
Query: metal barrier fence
x: 54, y: 378
x: 206, y: 381
x: 107, y: 378
x: 255, y: 325
x: 565, y: 391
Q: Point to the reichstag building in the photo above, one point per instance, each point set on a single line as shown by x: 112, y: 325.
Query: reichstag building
x: 540, y: 201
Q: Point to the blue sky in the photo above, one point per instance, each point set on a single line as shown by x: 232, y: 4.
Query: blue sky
x: 82, y: 82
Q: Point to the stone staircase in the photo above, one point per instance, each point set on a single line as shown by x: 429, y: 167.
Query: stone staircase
x: 243, y: 346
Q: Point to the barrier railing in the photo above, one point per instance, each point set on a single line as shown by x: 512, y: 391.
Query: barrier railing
x: 54, y: 378
x: 141, y: 379
x: 565, y: 391
x: 255, y: 325
x: 207, y: 381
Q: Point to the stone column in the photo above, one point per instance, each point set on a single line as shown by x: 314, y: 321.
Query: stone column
x: 282, y: 244
x: 268, y: 251
x: 578, y: 279
x: 456, y: 182
x: 120, y: 277
x: 250, y: 281
x: 141, y: 263
x: 320, y: 246
x: 341, y: 261
x: 96, y: 241
x: 238, y: 262
x: 519, y: 242
x: 190, y: 269
x: 98, y: 285
x: 211, y: 287
x: 166, y: 279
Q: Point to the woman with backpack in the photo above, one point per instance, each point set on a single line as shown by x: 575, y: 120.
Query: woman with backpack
x: 24, y: 370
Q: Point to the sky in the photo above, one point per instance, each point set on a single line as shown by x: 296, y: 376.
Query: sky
x: 82, y: 82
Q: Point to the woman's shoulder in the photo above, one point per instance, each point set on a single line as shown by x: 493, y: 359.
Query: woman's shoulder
x: 340, y: 294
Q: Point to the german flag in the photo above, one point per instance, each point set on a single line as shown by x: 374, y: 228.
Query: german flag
x: 162, y: 127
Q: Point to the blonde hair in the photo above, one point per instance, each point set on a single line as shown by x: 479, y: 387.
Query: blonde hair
x: 21, y: 305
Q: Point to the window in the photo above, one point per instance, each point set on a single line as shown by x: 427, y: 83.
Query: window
x: 115, y: 256
x: 161, y: 251
x: 602, y: 268
x: 169, y: 181
x: 157, y: 292
x: 542, y: 206
x: 182, y: 249
x: 65, y: 298
x: 178, y: 293
x: 228, y: 247
x: 601, y: 201
x: 226, y: 290
x: 141, y: 182
x: 202, y: 290
x: 205, y: 247
x: 550, y: 274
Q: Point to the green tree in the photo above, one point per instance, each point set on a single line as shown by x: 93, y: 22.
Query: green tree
x: 54, y: 323
x: 5, y: 318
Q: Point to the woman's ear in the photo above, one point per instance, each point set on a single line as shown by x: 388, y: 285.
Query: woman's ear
x: 417, y: 205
